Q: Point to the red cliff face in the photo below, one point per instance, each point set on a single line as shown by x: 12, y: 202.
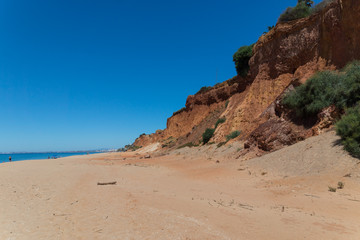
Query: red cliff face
x: 295, y: 51
x: 202, y: 111
x: 289, y: 53
x: 330, y: 37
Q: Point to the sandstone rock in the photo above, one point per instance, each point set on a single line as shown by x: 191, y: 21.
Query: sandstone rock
x: 327, y: 117
x: 273, y: 135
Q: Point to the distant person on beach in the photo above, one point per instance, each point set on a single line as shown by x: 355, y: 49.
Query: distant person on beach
x: 9, y: 158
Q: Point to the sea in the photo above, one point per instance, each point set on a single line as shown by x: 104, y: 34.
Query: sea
x: 4, y: 157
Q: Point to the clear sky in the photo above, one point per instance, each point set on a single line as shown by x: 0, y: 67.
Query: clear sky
x: 89, y: 74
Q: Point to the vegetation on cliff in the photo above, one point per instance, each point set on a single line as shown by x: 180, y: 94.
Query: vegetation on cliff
x: 220, y: 121
x: 318, y: 92
x: 203, y: 90
x: 233, y: 135
x: 189, y: 144
x: 321, y: 5
x: 302, y: 9
x: 348, y: 128
x: 341, y: 89
x: 207, y: 135
x: 129, y: 147
x: 179, y: 111
x: 327, y: 88
x: 241, y: 59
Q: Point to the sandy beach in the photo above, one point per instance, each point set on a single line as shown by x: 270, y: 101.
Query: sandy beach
x: 197, y: 193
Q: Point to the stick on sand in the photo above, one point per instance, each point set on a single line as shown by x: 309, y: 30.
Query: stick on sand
x: 106, y: 183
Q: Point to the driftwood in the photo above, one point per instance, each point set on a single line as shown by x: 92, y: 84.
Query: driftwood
x: 310, y: 195
x: 106, y: 183
x: 354, y: 200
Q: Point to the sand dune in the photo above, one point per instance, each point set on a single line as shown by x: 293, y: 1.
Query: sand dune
x: 283, y: 195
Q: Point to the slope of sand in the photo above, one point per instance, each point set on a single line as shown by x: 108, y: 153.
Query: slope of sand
x: 185, y: 195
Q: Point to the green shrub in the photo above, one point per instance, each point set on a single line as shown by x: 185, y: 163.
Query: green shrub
x: 129, y: 147
x: 217, y: 85
x: 169, y: 142
x: 321, y: 5
x: 189, y: 144
x: 226, y: 103
x: 301, y: 10
x: 179, y: 111
x: 348, y: 91
x: 340, y: 185
x: 269, y: 28
x: 207, y: 135
x: 348, y: 128
x: 233, y: 135
x: 317, y: 93
x: 241, y: 59
x: 221, y: 144
x: 203, y: 90
x: 324, y: 89
x: 341, y: 89
x: 219, y: 121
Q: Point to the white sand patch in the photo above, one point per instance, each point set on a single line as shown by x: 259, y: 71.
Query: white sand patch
x: 149, y: 149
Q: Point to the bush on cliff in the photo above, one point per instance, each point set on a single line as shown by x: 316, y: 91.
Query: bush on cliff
x: 129, y: 147
x: 241, y: 59
x: 189, y: 144
x: 348, y: 128
x: 232, y: 135
x: 301, y: 10
x: 317, y: 93
x: 324, y: 89
x: 348, y: 93
x: 220, y: 121
x: 341, y: 89
x: 203, y: 90
x: 207, y: 135
x: 179, y: 111
x: 321, y: 5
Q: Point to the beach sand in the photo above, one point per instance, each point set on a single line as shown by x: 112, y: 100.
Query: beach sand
x: 189, y: 194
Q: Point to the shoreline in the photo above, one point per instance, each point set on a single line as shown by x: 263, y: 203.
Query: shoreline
x: 44, y: 155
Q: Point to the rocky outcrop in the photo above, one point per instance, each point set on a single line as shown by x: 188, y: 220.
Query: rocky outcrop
x: 202, y: 111
x: 287, y: 55
x: 273, y: 135
x: 282, y: 128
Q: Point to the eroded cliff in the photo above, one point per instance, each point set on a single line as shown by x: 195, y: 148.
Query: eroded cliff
x: 287, y: 55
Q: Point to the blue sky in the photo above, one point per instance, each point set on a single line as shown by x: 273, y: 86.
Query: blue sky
x: 86, y: 74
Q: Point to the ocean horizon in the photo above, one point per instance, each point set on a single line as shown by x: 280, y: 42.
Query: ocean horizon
x: 4, y: 157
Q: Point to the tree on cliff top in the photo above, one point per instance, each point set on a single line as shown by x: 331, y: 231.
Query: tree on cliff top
x: 241, y: 59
